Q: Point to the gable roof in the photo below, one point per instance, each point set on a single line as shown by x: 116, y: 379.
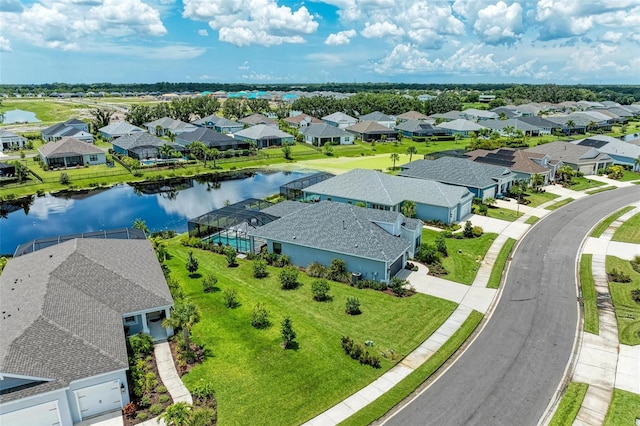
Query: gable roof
x: 7, y: 134
x: 515, y: 159
x: 68, y: 146
x: 323, y: 130
x: 370, y: 127
x: 225, y: 122
x: 611, y: 146
x: 340, y: 228
x: 456, y: 171
x: 139, y: 139
x: 380, y: 188
x: 207, y: 136
x: 254, y: 119
x: 376, y: 116
x: 62, y: 321
x: 412, y: 115
x: 568, y: 152
x: 339, y: 117
x: 262, y: 131
x: 120, y: 128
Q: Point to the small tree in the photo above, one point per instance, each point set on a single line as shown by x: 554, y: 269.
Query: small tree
x: 409, y: 209
x: 467, y: 232
x: 183, y: 315
x: 320, y: 289
x: 397, y: 286
x: 353, y: 306
x: 394, y: 157
x: 411, y: 150
x: 260, y: 316
x: 441, y: 245
x: 288, y: 335
x: 289, y: 278
x: 327, y: 149
x: 209, y: 283
x: 64, y: 178
x: 260, y: 268
x: 428, y: 253
x: 141, y: 225
x: 286, y: 150
x: 230, y: 255
x: 230, y: 297
x: 192, y: 264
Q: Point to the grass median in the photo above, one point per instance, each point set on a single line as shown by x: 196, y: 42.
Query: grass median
x: 629, y: 231
x: 589, y: 295
x: 559, y: 204
x: 570, y: 404
x: 603, y: 225
x: 498, y: 267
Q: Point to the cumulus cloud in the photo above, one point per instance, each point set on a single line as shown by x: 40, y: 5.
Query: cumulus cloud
x: 247, y: 22
x: 342, y: 37
x: 5, y: 45
x: 611, y: 37
x: 529, y: 69
x: 499, y: 23
x: 381, y: 29
x: 203, y: 33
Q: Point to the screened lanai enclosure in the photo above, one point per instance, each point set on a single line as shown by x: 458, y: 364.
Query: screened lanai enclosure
x: 293, y: 189
x: 229, y: 225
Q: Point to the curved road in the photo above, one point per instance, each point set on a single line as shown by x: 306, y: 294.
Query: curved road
x: 510, y: 373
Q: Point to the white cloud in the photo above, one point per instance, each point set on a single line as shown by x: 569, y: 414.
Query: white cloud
x: 381, y: 29
x: 244, y: 66
x: 611, y: 37
x: 203, y: 33
x: 342, y: 37
x: 499, y: 23
x: 528, y: 70
x: 325, y: 58
x: 5, y: 45
x: 246, y: 22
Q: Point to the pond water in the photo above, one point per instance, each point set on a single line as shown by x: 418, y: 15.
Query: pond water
x: 121, y: 205
x: 19, y: 116
x: 631, y: 137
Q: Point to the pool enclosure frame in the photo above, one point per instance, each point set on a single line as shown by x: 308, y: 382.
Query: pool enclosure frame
x: 293, y: 189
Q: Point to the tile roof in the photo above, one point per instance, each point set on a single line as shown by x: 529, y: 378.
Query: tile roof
x: 68, y: 146
x: 62, y: 320
x: 456, y: 171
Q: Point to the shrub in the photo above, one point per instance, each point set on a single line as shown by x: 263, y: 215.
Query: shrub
x: 619, y: 276
x: 260, y: 316
x: 397, y: 286
x: 441, y: 245
x: 192, y: 264
x: 337, y: 270
x: 129, y: 409
x: 320, y: 289
x: 287, y: 333
x: 260, y: 268
x: 163, y: 398
x: 140, y: 345
x: 477, y: 231
x: 209, y: 283
x: 316, y: 270
x: 635, y: 295
x: 64, y: 178
x: 150, y: 382
x: 230, y: 255
x: 358, y: 352
x: 428, y: 253
x: 142, y: 416
x: 230, y: 297
x: 289, y: 278
x: 156, y: 409
x: 145, y: 401
x: 161, y: 389
x: 467, y: 232
x: 353, y: 306
x: 204, y: 390
x: 483, y: 209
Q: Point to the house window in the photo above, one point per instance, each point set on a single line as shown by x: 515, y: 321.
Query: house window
x: 93, y: 157
x: 132, y: 320
x: 277, y: 248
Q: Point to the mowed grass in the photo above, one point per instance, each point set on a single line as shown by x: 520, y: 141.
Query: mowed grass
x: 601, y: 189
x: 531, y: 220
x: 582, y: 183
x: 462, y: 262
x: 589, y: 295
x: 537, y: 198
x: 624, y: 409
x: 559, y: 204
x: 255, y: 379
x: 46, y: 110
x: 503, y: 214
x: 498, y: 267
x: 629, y: 231
x: 603, y: 225
x: 570, y: 404
x: 628, y: 176
x: 627, y: 310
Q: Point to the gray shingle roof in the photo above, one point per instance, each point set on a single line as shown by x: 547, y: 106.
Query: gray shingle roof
x: 254, y: 119
x: 460, y: 125
x: 569, y: 153
x: 323, y: 130
x: 376, y: 116
x: 515, y: 123
x: 612, y: 146
x: 284, y: 208
x: 120, y: 128
x: 262, y: 131
x: 139, y: 139
x: 415, y: 126
x: 339, y: 117
x: 207, y: 136
x: 370, y: 127
x: 339, y: 228
x: 66, y: 147
x: 62, y: 320
x: 380, y: 188
x: 175, y: 126
x: 455, y: 171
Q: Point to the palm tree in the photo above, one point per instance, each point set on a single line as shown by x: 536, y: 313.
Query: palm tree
x: 566, y: 173
x: 411, y: 150
x: 537, y: 180
x: 214, y: 154
x: 636, y: 163
x: 166, y: 151
x: 570, y: 125
x: 592, y: 126
x: 395, y: 157
x: 183, y: 315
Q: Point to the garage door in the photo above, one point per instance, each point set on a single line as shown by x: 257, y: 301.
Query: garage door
x: 396, y: 267
x: 466, y: 209
x: 99, y: 399
x: 40, y: 415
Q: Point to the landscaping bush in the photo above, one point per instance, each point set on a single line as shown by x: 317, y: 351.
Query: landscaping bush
x: 209, y: 283
x: 142, y: 416
x: 203, y: 391
x: 156, y: 409
x: 618, y: 276
x: 230, y: 255
x: 441, y: 245
x: 353, y: 306
x: 287, y: 333
x: 145, y: 401
x: 428, y: 253
x: 635, y: 264
x: 317, y: 270
x: 230, y: 298
x: 163, y: 398
x: 161, y: 389
x: 140, y: 345
x: 358, y: 352
x: 129, y: 409
x: 467, y: 232
x: 437, y: 270
x: 338, y: 271
x: 64, y: 178
x: 289, y: 278
x: 477, y: 231
x: 397, y: 286
x: 635, y: 295
x: 320, y: 289
x: 260, y: 268
x: 260, y: 316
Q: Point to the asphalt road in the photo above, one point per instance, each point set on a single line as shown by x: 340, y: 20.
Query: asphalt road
x: 510, y: 373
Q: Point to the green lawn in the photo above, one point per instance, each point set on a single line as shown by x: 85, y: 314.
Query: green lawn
x: 628, y: 176
x: 627, y: 310
x: 498, y: 267
x: 537, y: 198
x: 589, y: 295
x: 387, y: 401
x: 46, y: 110
x: 582, y: 183
x: 629, y: 231
x: 503, y: 214
x: 624, y: 409
x: 255, y: 378
x: 602, y: 226
x: 559, y: 204
x: 602, y: 189
x: 570, y: 404
x: 532, y: 220
x: 462, y: 262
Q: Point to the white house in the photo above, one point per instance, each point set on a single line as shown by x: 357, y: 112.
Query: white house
x: 9, y: 140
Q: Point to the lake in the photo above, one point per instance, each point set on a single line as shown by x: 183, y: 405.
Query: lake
x: 19, y: 116
x: 119, y: 206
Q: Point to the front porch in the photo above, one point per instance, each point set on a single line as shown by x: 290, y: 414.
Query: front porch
x: 149, y: 322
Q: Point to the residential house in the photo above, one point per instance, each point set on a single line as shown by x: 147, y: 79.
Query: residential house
x: 376, y: 244
x: 256, y: 119
x: 621, y: 152
x: 70, y: 152
x: 142, y: 145
x: 377, y: 190
x: 460, y: 127
x: 483, y: 180
x: 369, y: 131
x: 168, y: 126
x: 418, y: 128
x: 524, y: 164
x: 380, y: 118
x: 473, y: 114
x: 411, y: 115
x: 211, y: 139
x: 506, y: 112
x: 301, y: 120
x: 320, y: 134
x: 7, y: 170
x: 117, y: 129
x: 446, y: 116
x: 339, y: 119
x: 545, y: 127
x: 579, y: 126
x: 226, y: 126
x: 63, y: 357
x: 207, y: 121
x: 71, y: 128
x: 585, y: 159
x: 9, y: 140
x: 264, y: 136
x: 512, y: 124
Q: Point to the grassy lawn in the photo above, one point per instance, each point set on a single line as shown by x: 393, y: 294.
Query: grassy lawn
x: 589, y: 295
x: 538, y: 198
x: 503, y: 214
x: 602, y: 226
x: 570, y: 404
x: 255, y: 378
x: 582, y: 183
x: 501, y: 261
x: 629, y: 231
x: 46, y: 110
x: 628, y: 176
x: 602, y: 189
x: 462, y: 262
x: 559, y: 204
x: 387, y: 401
x: 624, y: 409
x: 532, y: 220
x: 627, y: 310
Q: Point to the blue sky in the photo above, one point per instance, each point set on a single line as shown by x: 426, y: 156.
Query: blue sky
x: 283, y: 41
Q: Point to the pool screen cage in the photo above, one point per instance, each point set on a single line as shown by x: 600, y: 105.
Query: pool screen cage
x: 229, y: 225
x: 293, y: 189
